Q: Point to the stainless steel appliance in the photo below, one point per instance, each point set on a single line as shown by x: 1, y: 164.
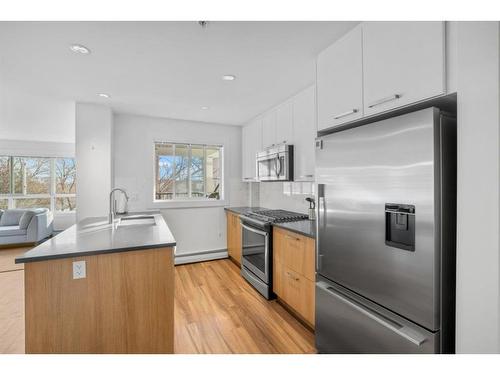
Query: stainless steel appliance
x: 275, y: 163
x: 256, y: 266
x: 386, y: 236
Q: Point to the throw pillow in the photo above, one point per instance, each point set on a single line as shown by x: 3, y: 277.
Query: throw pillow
x: 11, y: 217
x: 26, y: 219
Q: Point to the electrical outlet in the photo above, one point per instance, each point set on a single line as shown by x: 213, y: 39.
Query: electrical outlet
x: 79, y: 270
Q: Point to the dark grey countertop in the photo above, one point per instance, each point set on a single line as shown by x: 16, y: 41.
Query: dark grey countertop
x: 95, y: 236
x: 305, y: 227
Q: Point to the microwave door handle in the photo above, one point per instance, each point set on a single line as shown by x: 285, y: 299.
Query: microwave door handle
x: 278, y: 162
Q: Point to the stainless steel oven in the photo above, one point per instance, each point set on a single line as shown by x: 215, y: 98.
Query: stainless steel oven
x: 257, y: 246
x: 275, y: 164
x: 256, y: 255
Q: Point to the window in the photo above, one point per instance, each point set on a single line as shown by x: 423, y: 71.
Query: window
x: 188, y: 171
x: 28, y: 182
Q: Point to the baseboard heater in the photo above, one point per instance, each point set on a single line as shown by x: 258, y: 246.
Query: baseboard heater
x: 201, y: 256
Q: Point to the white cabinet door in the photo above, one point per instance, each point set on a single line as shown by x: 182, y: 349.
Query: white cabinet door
x: 245, y: 150
x: 304, y: 129
x: 269, y: 129
x: 251, y: 144
x: 284, y: 123
x: 340, y: 81
x: 403, y: 63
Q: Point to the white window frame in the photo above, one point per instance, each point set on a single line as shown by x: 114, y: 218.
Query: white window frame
x: 52, y: 195
x: 191, y: 202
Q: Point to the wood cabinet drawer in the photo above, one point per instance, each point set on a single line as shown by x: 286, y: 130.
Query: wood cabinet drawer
x: 296, y: 291
x: 295, y: 252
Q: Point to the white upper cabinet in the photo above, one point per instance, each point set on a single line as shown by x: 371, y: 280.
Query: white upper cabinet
x: 269, y: 129
x: 304, y: 129
x: 284, y: 123
x: 292, y: 122
x: 340, y: 81
x: 251, y: 144
x: 403, y: 63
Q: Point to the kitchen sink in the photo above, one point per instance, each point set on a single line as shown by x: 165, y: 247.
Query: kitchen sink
x: 137, y: 220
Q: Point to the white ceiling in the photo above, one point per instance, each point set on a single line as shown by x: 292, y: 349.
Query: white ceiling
x: 167, y: 69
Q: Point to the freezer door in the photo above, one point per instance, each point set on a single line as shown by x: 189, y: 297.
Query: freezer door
x: 346, y: 323
x: 377, y: 185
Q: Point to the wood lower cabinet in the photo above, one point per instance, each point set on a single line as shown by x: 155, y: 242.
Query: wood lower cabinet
x: 233, y: 236
x: 125, y: 304
x: 293, y: 272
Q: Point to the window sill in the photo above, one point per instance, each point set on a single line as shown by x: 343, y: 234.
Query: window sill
x: 64, y: 213
x: 188, y: 204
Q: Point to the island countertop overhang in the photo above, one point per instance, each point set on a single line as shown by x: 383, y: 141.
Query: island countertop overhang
x: 94, y: 236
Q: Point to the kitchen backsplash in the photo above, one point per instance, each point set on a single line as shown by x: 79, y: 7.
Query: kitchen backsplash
x: 285, y: 195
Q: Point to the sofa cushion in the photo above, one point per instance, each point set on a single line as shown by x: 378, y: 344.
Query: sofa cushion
x: 11, y: 217
x: 12, y: 230
x: 26, y: 219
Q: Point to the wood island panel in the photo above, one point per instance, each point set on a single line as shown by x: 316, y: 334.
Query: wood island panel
x: 124, y: 305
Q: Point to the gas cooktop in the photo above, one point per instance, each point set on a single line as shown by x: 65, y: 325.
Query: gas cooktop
x: 276, y: 216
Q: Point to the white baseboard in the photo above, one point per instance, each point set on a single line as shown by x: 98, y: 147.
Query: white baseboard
x: 201, y: 256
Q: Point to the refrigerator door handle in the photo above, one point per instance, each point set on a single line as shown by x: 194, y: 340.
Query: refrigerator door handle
x: 320, y: 215
x: 403, y: 331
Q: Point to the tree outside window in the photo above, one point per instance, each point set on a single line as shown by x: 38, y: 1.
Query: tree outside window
x: 32, y: 182
x: 188, y: 171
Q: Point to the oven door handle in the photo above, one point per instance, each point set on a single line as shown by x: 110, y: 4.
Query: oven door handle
x: 262, y: 233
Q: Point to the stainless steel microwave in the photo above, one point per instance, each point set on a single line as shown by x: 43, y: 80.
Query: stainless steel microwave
x: 275, y: 164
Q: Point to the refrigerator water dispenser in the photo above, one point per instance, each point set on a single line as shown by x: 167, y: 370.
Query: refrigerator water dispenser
x: 400, y: 226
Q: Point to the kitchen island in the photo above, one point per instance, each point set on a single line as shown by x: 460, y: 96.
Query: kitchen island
x: 102, y: 288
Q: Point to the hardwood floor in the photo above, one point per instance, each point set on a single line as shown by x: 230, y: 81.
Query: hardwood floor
x: 216, y: 311
x: 11, y: 302
x: 12, y: 312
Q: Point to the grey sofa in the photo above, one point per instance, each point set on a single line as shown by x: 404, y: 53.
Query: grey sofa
x: 25, y: 225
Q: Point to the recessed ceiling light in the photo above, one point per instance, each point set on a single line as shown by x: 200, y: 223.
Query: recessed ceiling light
x: 104, y: 95
x: 204, y: 108
x: 78, y: 48
x: 228, y: 77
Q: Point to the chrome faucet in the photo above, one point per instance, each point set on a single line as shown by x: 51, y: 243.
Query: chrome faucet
x: 112, y: 213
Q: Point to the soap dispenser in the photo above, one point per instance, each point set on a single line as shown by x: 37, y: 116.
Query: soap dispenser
x: 312, y: 206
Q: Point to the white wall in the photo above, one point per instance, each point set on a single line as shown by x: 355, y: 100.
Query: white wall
x: 36, y: 148
x: 94, y: 153
x: 29, y: 117
x: 36, y: 125
x: 286, y: 195
x: 478, y: 262
x: 197, y: 229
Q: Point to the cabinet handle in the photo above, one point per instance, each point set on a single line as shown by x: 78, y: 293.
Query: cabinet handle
x: 344, y: 114
x: 307, y: 176
x: 292, y: 238
x: 384, y: 100
x: 292, y: 277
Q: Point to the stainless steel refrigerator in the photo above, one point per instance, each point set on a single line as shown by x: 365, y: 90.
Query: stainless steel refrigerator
x: 386, y: 236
